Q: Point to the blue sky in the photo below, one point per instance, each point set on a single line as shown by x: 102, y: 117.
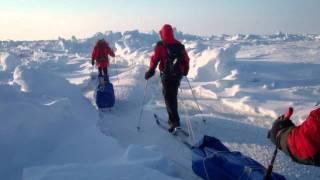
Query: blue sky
x: 48, y: 19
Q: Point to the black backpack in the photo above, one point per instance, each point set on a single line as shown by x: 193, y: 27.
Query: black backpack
x: 174, y: 59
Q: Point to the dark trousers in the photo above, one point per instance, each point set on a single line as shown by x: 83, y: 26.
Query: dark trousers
x: 103, y: 72
x: 170, y: 86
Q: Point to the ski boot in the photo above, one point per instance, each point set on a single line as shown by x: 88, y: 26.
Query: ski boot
x: 173, y: 127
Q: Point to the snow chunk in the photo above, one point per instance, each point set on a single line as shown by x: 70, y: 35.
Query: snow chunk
x: 215, y: 64
x: 8, y: 61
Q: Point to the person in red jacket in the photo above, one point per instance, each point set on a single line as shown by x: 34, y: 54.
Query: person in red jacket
x: 173, y: 62
x: 301, y: 143
x: 100, y: 54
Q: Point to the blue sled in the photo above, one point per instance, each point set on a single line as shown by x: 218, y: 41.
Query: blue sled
x: 212, y: 160
x: 105, y: 97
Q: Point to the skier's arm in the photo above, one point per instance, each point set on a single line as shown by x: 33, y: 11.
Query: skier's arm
x: 110, y: 52
x: 93, y: 56
x: 185, y: 56
x: 155, y: 58
x: 186, y: 61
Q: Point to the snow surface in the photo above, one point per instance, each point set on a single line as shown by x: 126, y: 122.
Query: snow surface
x: 51, y: 129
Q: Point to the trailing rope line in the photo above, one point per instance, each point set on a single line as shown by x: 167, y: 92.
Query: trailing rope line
x: 195, y: 99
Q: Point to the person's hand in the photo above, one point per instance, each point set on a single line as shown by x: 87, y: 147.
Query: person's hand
x: 279, y: 124
x: 92, y: 62
x: 149, y: 74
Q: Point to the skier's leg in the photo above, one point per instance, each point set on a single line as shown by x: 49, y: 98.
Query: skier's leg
x: 100, y: 71
x: 165, y: 92
x: 105, y: 74
x: 174, y: 102
x: 101, y: 79
x: 170, y: 92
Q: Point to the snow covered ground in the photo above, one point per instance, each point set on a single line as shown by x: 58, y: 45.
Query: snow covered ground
x: 51, y: 129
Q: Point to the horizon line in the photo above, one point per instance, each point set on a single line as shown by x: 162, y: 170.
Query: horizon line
x: 68, y: 37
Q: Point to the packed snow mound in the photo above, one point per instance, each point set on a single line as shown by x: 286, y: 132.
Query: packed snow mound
x: 136, y: 161
x: 136, y: 41
x: 9, y: 61
x: 39, y: 129
x: 45, y: 82
x: 132, y: 41
x: 236, y: 37
x: 214, y: 64
x: 44, y: 135
x: 261, y: 39
x: 202, y: 64
x: 225, y: 58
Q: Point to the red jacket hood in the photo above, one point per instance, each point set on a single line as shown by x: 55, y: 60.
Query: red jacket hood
x: 101, y: 43
x: 166, y: 34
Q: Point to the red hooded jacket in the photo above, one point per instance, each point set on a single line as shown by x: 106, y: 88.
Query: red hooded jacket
x: 100, y: 54
x: 304, y: 140
x: 160, y: 52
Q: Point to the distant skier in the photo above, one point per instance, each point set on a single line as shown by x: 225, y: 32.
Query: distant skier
x: 100, y: 55
x: 174, y: 63
x: 301, y: 143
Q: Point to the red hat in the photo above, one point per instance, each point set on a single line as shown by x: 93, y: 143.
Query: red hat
x: 166, y: 33
x: 101, y: 43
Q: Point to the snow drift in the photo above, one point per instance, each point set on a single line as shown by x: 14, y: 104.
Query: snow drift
x: 50, y: 128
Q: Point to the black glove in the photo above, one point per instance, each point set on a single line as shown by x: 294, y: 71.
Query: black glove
x: 279, y: 124
x: 149, y: 74
x: 186, y: 70
x: 92, y: 62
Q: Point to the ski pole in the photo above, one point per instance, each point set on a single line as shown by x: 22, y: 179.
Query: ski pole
x: 270, y: 167
x: 144, y: 96
x: 92, y: 76
x: 188, y: 122
x: 195, y: 99
x: 117, y: 72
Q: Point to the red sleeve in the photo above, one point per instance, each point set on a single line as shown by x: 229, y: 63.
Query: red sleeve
x: 155, y: 58
x: 110, y: 52
x: 307, y: 136
x: 93, y: 55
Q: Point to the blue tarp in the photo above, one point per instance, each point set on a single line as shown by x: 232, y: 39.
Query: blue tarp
x: 212, y: 160
x: 105, y: 95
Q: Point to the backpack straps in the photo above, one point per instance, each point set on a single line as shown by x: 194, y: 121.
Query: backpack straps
x: 173, y: 59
